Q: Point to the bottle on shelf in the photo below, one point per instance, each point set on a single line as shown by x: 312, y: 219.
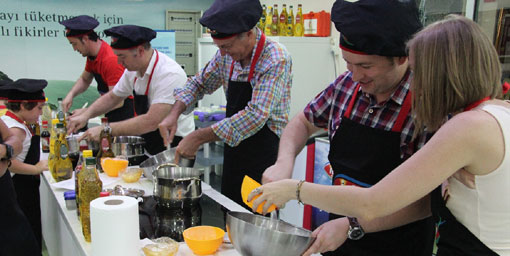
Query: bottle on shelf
x: 299, y: 25
x: 262, y: 22
x: 269, y: 21
x: 282, y: 25
x: 45, y: 137
x: 105, y: 143
x: 63, y: 164
x: 274, y: 21
x: 90, y: 187
x: 61, y: 116
x: 46, y: 113
x: 289, y: 29
x: 81, y: 163
x: 52, y: 156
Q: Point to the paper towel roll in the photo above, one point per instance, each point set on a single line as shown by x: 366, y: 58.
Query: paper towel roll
x: 114, y: 225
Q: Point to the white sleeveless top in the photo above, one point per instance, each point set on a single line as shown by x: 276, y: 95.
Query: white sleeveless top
x: 11, y: 122
x: 485, y: 210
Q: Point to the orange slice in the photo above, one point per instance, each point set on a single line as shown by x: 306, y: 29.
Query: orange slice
x: 112, y: 166
x: 247, y: 187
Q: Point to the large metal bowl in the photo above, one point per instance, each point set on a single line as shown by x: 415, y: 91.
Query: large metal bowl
x: 150, y: 165
x: 128, y: 146
x: 258, y: 235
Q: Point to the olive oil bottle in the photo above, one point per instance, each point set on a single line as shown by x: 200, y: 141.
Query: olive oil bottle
x: 299, y: 26
x: 81, y: 163
x: 289, y: 29
x: 105, y: 143
x: 61, y: 116
x: 90, y: 187
x: 274, y: 21
x: 51, y: 156
x: 282, y: 25
x: 262, y: 22
x: 63, y: 164
x: 269, y: 21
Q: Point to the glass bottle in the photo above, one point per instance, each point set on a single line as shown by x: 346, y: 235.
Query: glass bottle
x: 289, y: 29
x: 45, y: 138
x: 63, y: 164
x: 86, y: 153
x: 269, y: 21
x: 90, y: 187
x: 262, y: 22
x: 274, y: 21
x: 282, y: 25
x: 105, y: 143
x: 299, y: 25
x: 51, y: 156
x: 61, y: 116
x: 46, y: 113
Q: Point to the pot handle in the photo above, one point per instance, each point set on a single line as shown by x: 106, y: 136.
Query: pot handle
x: 165, y: 165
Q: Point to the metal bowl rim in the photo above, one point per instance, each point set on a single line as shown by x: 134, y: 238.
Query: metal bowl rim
x: 274, y: 230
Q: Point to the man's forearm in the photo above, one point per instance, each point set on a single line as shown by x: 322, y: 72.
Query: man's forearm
x: 102, y: 105
x: 79, y: 87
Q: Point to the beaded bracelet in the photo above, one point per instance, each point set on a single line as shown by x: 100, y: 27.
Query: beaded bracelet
x: 298, y: 191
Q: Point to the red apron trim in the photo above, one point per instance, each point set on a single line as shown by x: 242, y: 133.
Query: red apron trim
x: 352, y: 51
x: 15, y: 117
x: 26, y: 100
x: 402, y: 115
x: 258, y: 51
x: 148, y: 82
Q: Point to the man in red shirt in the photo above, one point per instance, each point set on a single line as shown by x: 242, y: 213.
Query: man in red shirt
x: 101, y: 64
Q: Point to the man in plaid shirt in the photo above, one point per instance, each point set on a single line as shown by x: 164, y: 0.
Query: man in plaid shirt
x: 367, y: 114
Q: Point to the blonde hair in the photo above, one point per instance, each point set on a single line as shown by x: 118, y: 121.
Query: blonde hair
x: 454, y: 64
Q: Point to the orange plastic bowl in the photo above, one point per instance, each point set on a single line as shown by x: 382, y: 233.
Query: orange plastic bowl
x: 203, y: 240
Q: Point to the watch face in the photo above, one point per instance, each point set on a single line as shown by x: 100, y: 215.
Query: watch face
x: 356, y: 233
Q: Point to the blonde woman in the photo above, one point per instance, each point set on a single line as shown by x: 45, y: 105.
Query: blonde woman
x: 457, y: 73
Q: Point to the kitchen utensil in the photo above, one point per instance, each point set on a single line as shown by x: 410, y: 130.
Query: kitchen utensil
x: 247, y: 187
x: 203, y: 240
x: 73, y: 144
x: 167, y: 156
x: 131, y: 174
x: 128, y: 146
x: 258, y: 235
x: 118, y: 190
x: 176, y: 186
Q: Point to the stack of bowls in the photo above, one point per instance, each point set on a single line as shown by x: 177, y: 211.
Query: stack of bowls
x: 258, y: 235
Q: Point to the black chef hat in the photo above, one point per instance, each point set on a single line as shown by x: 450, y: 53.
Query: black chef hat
x: 79, y: 25
x: 4, y: 93
x: 226, y: 18
x: 129, y: 36
x: 30, y: 90
x: 376, y: 27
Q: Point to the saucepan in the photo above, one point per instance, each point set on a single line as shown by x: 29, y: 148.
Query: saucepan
x: 177, y: 186
x: 150, y: 165
x: 128, y: 146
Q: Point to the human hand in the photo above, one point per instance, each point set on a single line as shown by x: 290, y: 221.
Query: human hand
x: 329, y: 236
x: 91, y: 134
x: 465, y: 177
x: 79, y: 111
x: 167, y: 129
x: 277, y: 193
x: 76, y: 122
x: 278, y: 171
x: 42, y: 165
x: 67, y: 103
x: 188, y: 146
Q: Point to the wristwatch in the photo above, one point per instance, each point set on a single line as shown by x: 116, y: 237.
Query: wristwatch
x: 355, y: 232
x: 8, y: 152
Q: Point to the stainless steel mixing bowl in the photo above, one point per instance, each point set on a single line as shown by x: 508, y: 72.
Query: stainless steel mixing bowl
x: 150, y: 165
x: 254, y: 235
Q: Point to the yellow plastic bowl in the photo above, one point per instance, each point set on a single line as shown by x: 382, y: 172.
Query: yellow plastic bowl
x: 203, y: 240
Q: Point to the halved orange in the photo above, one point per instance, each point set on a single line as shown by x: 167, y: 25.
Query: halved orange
x: 247, y: 187
x: 112, y: 166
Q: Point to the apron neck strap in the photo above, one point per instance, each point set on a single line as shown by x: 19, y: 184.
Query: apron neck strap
x: 15, y: 117
x: 258, y: 51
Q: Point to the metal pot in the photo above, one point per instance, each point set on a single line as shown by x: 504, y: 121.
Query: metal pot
x: 150, y: 165
x: 177, y: 187
x: 73, y: 144
x: 128, y: 146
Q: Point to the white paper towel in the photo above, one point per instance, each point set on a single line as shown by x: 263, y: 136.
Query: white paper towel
x: 114, y: 226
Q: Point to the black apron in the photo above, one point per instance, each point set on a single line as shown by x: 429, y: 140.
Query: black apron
x: 28, y: 199
x: 361, y: 156
x: 153, y: 140
x: 254, y: 154
x: 119, y: 114
x: 453, y: 238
